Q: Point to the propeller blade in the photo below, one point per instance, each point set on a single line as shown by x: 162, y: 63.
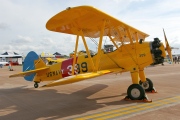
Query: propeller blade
x: 168, y: 48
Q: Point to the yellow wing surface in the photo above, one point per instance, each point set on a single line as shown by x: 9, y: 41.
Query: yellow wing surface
x: 80, y: 77
x: 26, y: 73
x: 90, y: 20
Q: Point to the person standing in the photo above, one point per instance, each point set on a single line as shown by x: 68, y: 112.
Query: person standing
x: 178, y: 59
x: 10, y: 66
x: 175, y: 59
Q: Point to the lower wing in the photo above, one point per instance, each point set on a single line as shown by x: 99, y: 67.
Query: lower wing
x: 80, y: 77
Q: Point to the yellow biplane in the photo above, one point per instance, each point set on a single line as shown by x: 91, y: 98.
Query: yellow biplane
x: 132, y: 52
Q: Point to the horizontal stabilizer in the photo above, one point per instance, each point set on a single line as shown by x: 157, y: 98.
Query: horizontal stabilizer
x: 26, y: 73
x: 80, y: 77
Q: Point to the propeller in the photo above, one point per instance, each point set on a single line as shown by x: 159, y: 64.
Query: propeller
x: 168, y: 48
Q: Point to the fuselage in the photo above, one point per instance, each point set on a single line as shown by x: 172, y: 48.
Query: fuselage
x: 127, y: 57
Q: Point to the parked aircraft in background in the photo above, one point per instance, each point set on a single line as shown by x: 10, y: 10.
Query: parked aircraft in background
x: 51, y: 61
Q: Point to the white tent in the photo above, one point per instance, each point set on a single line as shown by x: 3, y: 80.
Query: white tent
x: 14, y: 57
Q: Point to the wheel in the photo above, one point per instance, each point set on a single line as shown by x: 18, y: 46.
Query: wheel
x: 147, y: 85
x: 36, y: 85
x: 136, y: 92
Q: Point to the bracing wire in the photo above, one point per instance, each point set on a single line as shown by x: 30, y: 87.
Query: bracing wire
x: 117, y: 35
x: 105, y: 54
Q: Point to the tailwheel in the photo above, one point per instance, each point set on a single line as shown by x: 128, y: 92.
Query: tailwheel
x: 137, y: 93
x: 36, y: 85
x: 148, y: 85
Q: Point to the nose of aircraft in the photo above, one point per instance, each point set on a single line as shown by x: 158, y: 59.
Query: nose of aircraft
x: 158, y: 51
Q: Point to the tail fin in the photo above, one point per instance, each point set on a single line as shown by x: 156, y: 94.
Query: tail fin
x: 32, y: 62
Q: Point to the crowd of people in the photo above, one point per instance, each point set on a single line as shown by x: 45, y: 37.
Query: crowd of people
x: 176, y: 59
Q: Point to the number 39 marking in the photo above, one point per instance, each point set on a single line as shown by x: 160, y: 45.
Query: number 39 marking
x: 78, y: 68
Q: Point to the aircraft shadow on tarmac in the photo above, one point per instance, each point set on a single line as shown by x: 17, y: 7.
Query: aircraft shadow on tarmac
x: 24, y: 103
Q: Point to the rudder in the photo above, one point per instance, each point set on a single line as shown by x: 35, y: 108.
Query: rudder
x: 30, y: 63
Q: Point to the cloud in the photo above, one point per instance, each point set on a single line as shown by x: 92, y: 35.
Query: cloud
x: 27, y: 20
x: 22, y: 40
x: 47, y: 41
x: 3, y: 26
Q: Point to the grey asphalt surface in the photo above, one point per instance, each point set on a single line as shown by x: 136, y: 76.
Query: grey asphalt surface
x: 19, y: 100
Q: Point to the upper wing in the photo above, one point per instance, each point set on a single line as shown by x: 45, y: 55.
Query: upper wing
x: 26, y: 73
x: 80, y: 77
x: 90, y: 21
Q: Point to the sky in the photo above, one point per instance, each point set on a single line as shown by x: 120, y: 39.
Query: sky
x: 22, y: 22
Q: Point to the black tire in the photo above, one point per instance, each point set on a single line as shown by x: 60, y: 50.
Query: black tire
x: 36, y: 85
x: 136, y: 92
x: 147, y: 85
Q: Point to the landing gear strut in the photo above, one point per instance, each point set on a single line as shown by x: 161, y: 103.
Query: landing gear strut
x: 36, y: 85
x: 148, y: 85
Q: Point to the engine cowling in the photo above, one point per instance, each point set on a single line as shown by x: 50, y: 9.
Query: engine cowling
x: 156, y: 51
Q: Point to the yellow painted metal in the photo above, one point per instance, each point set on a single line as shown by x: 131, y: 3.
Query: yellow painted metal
x: 80, y: 77
x: 99, y: 46
x: 26, y: 73
x: 113, y: 42
x: 75, y: 53
x: 129, y: 35
x: 87, y: 50
x: 135, y: 76
x: 136, y: 37
x: 53, y: 73
x: 78, y: 17
x: 162, y: 48
x: 55, y: 60
x: 39, y: 63
x: 120, y: 36
x: 86, y: 21
x: 120, y: 58
x: 136, y: 45
x: 142, y: 75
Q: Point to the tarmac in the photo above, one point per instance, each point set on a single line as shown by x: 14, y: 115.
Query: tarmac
x: 100, y: 98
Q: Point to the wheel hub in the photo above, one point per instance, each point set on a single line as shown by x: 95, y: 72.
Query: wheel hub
x: 135, y: 93
x: 145, y: 85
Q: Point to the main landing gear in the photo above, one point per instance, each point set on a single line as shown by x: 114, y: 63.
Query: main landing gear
x: 137, y: 91
x: 148, y: 86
